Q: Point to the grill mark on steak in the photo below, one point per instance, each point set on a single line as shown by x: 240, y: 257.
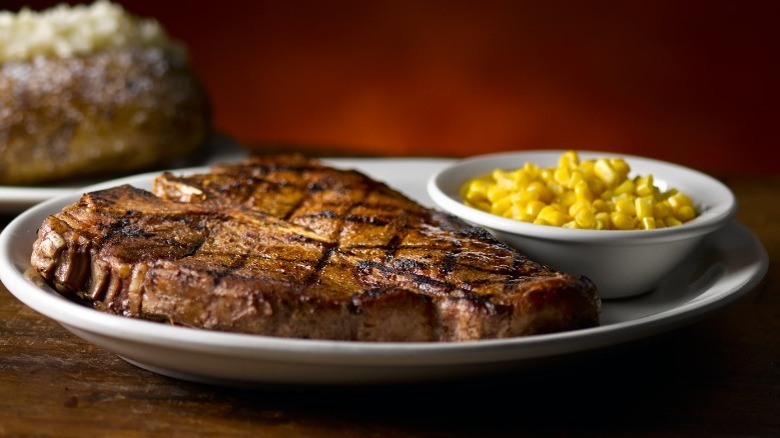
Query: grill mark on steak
x: 125, y: 229
x: 294, y: 208
x: 318, y: 268
x: 451, y: 258
x: 237, y: 188
x: 324, y: 214
x: 427, y: 284
x: 366, y: 220
x: 209, y: 252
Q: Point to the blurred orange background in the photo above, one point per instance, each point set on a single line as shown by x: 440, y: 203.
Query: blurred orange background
x: 693, y: 82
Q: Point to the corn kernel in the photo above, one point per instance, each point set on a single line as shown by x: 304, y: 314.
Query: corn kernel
x: 625, y: 187
x: 600, y: 206
x: 625, y: 204
x: 678, y: 200
x: 569, y: 159
x: 551, y: 215
x: 644, y: 185
x: 556, y: 188
x: 521, y: 178
x: 685, y: 213
x: 529, y: 195
x: 672, y: 222
x: 501, y: 206
x: 621, y: 167
x: 533, y: 208
x: 499, y: 174
x: 567, y: 199
x: 587, y: 168
x: 540, y: 192
x: 585, y: 218
x: 517, y: 212
x: 496, y: 193
x: 622, y: 221
x: 580, y: 204
x: 662, y: 209
x: 562, y: 176
x: 582, y: 191
x: 476, y: 190
x: 576, y: 178
x: 644, y: 207
x: 480, y: 205
x: 605, y: 172
x: 532, y: 169
x: 603, y: 221
x: 596, y: 186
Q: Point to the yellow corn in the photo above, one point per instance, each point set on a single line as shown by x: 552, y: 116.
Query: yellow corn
x: 551, y: 215
x: 685, y: 213
x: 582, y: 191
x: 580, y: 204
x: 602, y: 221
x: 644, y: 207
x: 476, y: 190
x: 626, y: 187
x: 569, y: 159
x: 625, y: 204
x: 540, y: 192
x: 567, y: 199
x: 533, y: 208
x: 662, y: 209
x: 585, y: 218
x: 645, y: 185
x: 678, y: 200
x: 672, y: 222
x: 605, y: 172
x: 620, y: 167
x: 496, y: 192
x: 600, y: 206
x: 591, y: 194
x: 501, y: 206
x: 621, y: 221
x: 562, y: 176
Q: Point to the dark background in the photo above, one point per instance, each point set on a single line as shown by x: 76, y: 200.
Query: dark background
x: 688, y: 81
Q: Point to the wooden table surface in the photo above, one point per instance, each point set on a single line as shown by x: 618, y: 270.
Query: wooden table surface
x: 717, y: 377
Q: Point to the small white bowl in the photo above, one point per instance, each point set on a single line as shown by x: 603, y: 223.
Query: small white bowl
x: 620, y: 263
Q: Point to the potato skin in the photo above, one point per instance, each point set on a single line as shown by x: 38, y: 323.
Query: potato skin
x: 109, y: 112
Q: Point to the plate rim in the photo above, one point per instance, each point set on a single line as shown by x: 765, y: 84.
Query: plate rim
x: 363, y: 354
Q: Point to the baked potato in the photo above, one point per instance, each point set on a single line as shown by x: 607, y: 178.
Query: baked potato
x: 114, y: 109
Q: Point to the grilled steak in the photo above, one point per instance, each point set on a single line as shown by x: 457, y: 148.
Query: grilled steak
x: 286, y: 246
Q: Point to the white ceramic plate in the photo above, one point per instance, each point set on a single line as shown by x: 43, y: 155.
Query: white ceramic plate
x: 728, y: 264
x: 14, y: 199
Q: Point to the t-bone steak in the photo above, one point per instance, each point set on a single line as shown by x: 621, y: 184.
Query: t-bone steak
x: 288, y: 246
